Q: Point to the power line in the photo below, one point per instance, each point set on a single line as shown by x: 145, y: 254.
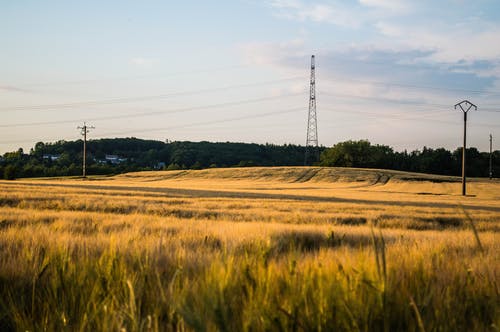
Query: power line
x: 151, y: 113
x: 141, y: 130
x: 492, y: 108
x: 385, y: 100
x: 247, y: 117
x: 240, y: 66
x: 254, y: 116
x: 390, y: 115
x: 141, y: 98
x: 120, y: 100
x: 127, y: 78
x: 413, y: 86
x: 398, y: 117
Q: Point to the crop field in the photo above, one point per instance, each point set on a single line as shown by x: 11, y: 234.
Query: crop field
x: 250, y: 249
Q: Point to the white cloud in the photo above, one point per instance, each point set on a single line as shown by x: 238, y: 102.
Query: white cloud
x: 286, y: 4
x: 400, y: 6
x: 375, y: 71
x: 450, y: 43
x: 408, y: 42
x: 404, y: 25
x: 332, y: 13
x: 340, y: 13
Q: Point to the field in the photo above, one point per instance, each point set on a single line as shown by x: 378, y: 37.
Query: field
x: 250, y: 249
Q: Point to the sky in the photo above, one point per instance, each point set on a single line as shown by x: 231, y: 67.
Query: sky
x: 388, y: 71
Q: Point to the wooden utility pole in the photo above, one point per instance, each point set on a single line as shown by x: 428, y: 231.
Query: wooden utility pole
x: 465, y: 106
x: 84, y: 131
x: 491, y: 151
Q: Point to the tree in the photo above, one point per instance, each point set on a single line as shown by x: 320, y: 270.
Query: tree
x: 9, y: 173
x: 347, y: 154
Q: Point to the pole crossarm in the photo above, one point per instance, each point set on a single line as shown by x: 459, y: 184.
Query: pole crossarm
x: 85, y: 129
x: 468, y: 105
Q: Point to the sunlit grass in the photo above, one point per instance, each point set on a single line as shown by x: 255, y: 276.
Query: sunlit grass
x: 99, y: 258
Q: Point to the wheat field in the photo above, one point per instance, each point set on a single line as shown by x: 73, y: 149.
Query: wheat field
x: 250, y: 249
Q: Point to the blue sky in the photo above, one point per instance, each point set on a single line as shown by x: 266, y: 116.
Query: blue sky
x: 387, y: 71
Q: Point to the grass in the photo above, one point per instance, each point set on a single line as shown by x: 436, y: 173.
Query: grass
x: 249, y: 250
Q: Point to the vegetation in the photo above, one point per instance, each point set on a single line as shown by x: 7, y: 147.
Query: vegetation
x: 249, y: 250
x: 433, y: 161
x: 64, y: 158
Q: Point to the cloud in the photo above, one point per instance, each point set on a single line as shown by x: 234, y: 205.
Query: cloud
x: 340, y: 13
x: 400, y: 6
x: 394, y: 41
x: 12, y: 88
x: 373, y: 71
x: 332, y: 13
x: 450, y: 43
x: 405, y: 24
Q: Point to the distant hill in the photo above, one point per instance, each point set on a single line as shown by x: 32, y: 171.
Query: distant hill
x: 294, y: 174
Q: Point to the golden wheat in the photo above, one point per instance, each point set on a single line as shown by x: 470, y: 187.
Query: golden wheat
x: 249, y: 249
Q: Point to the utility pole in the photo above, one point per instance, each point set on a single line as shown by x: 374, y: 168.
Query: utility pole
x: 465, y: 106
x: 312, y: 121
x: 84, y: 131
x: 491, y: 151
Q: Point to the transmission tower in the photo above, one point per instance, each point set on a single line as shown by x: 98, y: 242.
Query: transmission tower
x: 84, y: 131
x: 312, y: 150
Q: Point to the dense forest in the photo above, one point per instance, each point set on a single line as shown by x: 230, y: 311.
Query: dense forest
x: 119, y: 155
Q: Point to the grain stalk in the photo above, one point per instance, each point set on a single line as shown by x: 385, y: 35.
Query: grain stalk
x: 413, y: 305
x: 381, y: 264
x: 474, y: 230
x: 43, y: 262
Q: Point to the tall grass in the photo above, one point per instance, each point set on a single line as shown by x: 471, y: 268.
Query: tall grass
x: 271, y: 281
x: 106, y: 261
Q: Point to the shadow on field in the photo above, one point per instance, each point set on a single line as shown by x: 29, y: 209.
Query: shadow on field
x: 178, y: 192
x: 419, y: 223
x: 310, y: 241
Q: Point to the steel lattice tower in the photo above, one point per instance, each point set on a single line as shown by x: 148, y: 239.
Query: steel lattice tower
x: 312, y: 150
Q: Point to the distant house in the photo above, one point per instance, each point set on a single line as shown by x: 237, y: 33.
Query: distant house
x: 160, y: 165
x: 52, y: 157
x: 114, y: 159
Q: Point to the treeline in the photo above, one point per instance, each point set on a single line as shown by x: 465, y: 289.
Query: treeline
x: 120, y: 155
x: 434, y: 161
